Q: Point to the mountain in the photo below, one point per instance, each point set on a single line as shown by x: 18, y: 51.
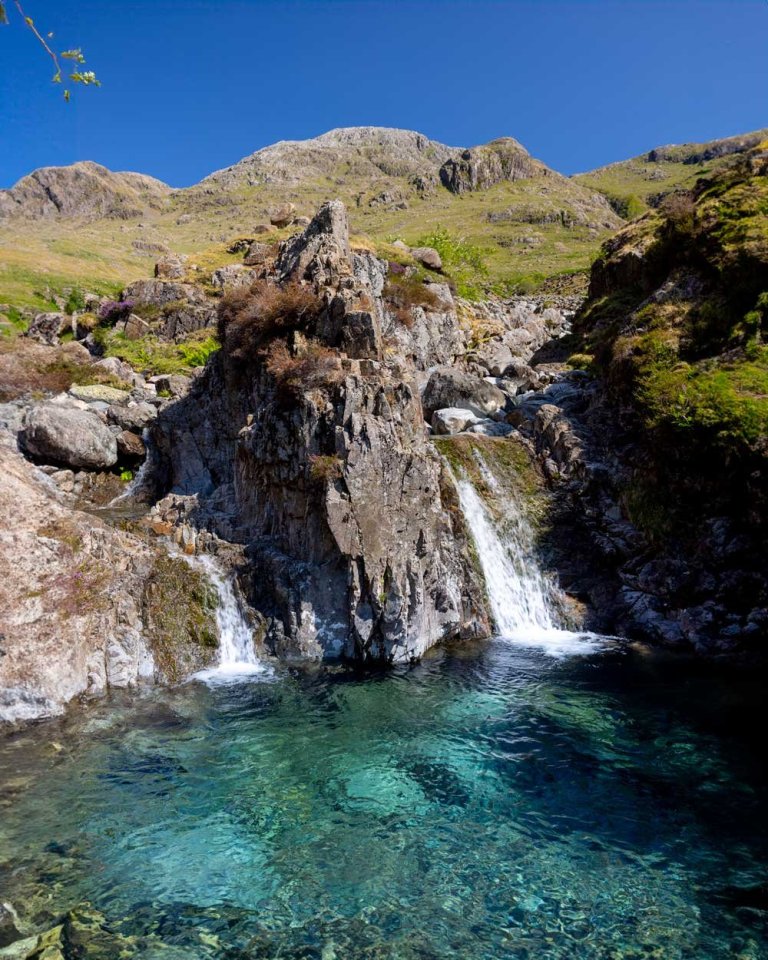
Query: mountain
x: 85, y: 191
x: 631, y: 186
x: 520, y: 220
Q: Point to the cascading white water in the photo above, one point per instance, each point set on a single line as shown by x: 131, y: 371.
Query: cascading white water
x: 136, y: 485
x: 237, y: 657
x: 522, y: 599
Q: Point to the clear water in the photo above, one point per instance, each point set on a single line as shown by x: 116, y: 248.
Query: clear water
x: 491, y: 802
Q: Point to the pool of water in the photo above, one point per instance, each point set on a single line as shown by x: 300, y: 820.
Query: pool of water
x: 490, y: 802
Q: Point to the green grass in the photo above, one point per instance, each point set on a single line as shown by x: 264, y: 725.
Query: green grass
x: 152, y: 357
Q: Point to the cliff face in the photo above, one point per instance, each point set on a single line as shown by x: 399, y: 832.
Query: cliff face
x: 308, y: 445
x: 675, y: 326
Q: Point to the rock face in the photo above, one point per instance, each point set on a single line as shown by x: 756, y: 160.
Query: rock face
x: 84, y: 191
x: 77, y: 438
x: 332, y: 486
x: 481, y: 167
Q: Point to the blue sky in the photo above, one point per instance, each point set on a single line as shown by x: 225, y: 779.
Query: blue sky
x: 189, y: 87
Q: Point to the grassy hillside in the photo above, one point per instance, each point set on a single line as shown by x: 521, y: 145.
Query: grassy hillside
x: 632, y: 186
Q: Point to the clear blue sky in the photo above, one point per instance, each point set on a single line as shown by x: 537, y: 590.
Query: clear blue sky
x: 193, y: 86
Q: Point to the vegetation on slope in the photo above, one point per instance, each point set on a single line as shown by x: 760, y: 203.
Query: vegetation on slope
x: 677, y: 322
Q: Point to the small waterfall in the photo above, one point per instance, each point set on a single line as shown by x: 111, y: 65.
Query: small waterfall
x: 237, y: 658
x: 136, y: 486
x: 523, y: 601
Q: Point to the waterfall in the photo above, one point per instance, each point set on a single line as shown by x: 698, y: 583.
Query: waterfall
x: 523, y: 600
x: 237, y: 658
x: 136, y: 485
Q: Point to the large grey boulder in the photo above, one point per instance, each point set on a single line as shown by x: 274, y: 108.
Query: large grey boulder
x: 447, y: 387
x: 78, y: 438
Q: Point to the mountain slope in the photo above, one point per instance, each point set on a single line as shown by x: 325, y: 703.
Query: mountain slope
x: 631, y: 186
x: 85, y: 226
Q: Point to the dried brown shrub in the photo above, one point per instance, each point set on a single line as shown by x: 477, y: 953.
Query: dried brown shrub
x: 325, y: 469
x: 251, y: 316
x: 402, y: 293
x: 313, y: 367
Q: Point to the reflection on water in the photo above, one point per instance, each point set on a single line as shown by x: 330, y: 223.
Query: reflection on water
x: 491, y: 802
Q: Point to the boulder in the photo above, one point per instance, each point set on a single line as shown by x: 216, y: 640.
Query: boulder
x: 232, y: 276
x: 172, y: 385
x: 264, y: 228
x: 427, y: 257
x: 130, y: 446
x: 47, y: 327
x: 448, y: 387
x: 98, y: 391
x: 77, y: 438
x: 453, y: 420
x: 257, y: 254
x: 490, y: 428
x: 172, y: 267
x: 133, y: 328
x: 132, y: 416
x: 159, y: 293
x: 282, y: 215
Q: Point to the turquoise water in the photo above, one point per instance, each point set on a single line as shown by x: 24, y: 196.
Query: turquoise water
x: 491, y: 802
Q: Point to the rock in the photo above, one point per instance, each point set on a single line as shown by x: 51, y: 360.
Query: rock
x: 132, y: 416
x: 428, y: 257
x: 448, y: 387
x: 257, y: 254
x: 232, y: 276
x: 9, y: 932
x: 159, y: 293
x: 11, y: 417
x: 453, y: 420
x: 491, y: 428
x: 47, y: 327
x: 323, y: 246
x: 264, y: 228
x: 133, y: 328
x: 172, y: 385
x: 482, y: 167
x: 77, y: 438
x: 98, y: 391
x: 302, y: 221
x: 283, y: 215
x: 172, y: 267
x: 401, y: 245
x: 130, y: 446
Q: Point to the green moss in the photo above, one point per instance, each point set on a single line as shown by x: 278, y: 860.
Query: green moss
x: 180, y: 617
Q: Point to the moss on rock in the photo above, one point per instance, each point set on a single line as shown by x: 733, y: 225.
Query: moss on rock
x: 180, y: 618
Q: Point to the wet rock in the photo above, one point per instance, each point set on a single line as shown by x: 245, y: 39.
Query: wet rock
x: 453, y: 420
x: 78, y: 438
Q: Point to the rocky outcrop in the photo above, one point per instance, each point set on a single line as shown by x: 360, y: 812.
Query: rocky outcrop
x: 452, y: 388
x: 329, y: 482
x: 481, y: 167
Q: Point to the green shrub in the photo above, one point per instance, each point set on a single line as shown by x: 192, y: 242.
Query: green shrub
x: 152, y: 356
x: 463, y: 261
x: 75, y: 301
x: 404, y: 292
